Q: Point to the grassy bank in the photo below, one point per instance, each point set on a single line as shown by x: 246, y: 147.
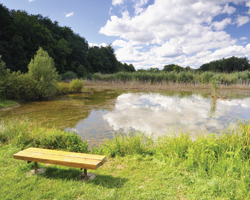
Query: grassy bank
x: 137, y: 168
x: 7, y: 103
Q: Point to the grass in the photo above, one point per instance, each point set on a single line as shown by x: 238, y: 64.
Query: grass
x: 7, y: 103
x: 138, y: 168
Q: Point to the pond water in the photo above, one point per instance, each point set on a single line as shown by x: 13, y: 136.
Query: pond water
x: 97, y: 115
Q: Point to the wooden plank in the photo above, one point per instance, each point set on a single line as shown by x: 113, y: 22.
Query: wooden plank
x: 79, y: 160
x: 66, y: 153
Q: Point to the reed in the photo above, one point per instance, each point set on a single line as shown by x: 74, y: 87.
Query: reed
x: 182, y: 77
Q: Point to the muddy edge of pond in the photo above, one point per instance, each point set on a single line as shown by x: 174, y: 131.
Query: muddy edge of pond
x: 160, y: 86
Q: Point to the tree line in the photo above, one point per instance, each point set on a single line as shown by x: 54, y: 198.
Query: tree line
x: 232, y: 64
x: 22, y: 34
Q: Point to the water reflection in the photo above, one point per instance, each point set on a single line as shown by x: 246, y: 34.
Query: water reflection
x: 96, y: 115
x: 162, y: 114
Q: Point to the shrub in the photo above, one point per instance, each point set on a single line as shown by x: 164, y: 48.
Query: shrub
x: 206, y: 77
x: 62, y: 88
x: 76, y: 85
x: 69, y: 75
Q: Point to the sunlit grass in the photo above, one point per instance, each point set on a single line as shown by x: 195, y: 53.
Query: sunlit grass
x: 172, y: 167
x: 7, y: 103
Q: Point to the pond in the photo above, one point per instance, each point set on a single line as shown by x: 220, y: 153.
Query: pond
x: 97, y: 115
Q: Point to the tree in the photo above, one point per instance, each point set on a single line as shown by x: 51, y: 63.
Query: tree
x: 3, y: 78
x: 168, y: 68
x: 154, y: 70
x: 227, y: 65
x: 42, y: 70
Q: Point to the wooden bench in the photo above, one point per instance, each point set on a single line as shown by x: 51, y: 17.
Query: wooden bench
x: 70, y: 159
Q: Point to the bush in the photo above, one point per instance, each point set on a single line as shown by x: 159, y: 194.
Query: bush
x: 69, y: 75
x: 76, y: 85
x: 62, y: 88
x: 206, y: 77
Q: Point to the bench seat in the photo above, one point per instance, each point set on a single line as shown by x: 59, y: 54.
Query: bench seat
x: 70, y: 159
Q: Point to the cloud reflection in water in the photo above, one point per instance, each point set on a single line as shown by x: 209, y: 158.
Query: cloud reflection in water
x: 160, y: 114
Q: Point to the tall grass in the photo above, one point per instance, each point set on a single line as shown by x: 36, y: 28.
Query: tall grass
x: 207, y: 154
x: 183, y: 77
x: 23, y: 134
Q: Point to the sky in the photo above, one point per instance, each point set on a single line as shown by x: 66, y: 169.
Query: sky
x: 154, y: 33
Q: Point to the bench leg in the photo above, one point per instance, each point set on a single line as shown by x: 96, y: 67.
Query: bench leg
x: 85, y: 173
x: 36, y: 167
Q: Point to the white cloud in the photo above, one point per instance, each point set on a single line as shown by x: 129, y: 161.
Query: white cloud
x: 98, y: 45
x: 117, y: 2
x: 139, y: 6
x: 31, y: 0
x: 158, y: 114
x: 241, y: 20
x: 228, y: 9
x: 248, y: 5
x: 182, y: 32
x: 243, y: 38
x: 221, y: 25
x: 69, y: 14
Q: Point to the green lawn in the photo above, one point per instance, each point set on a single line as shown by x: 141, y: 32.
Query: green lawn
x: 7, y: 103
x: 129, y: 177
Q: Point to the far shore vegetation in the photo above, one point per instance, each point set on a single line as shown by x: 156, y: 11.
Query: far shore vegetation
x: 172, y: 167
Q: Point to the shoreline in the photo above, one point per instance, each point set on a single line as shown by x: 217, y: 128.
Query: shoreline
x: 8, y: 108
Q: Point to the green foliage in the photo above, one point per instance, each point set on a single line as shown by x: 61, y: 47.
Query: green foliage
x: 185, y: 77
x: 206, y: 77
x: 103, y: 59
x: 62, y: 88
x: 231, y: 64
x: 123, y: 145
x: 7, y: 103
x: 22, y: 34
x: 4, y: 74
x: 76, y: 85
x: 43, y: 72
x: 25, y: 134
x: 214, y: 83
x: 126, y: 68
x: 182, y: 77
x: 69, y: 75
x: 209, y: 167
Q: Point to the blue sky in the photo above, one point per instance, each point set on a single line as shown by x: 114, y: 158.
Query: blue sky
x: 153, y: 33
